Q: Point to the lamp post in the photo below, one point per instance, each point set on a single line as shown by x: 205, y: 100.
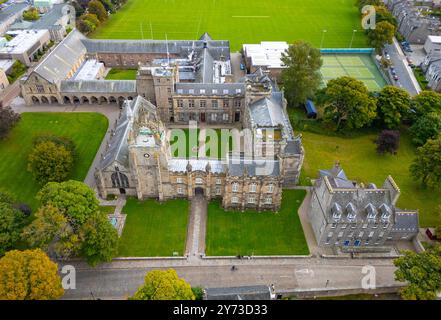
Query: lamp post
x: 352, y: 39
x: 323, y: 37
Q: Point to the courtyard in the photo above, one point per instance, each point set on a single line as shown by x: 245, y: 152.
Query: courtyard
x: 121, y: 74
x: 232, y: 233
x: 246, y: 21
x: 85, y: 129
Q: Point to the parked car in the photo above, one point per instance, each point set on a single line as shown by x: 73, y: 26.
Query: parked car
x: 393, y: 72
x: 395, y: 77
x: 387, y: 56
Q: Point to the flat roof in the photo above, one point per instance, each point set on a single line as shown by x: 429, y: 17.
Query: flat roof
x: 23, y: 41
x: 267, y: 53
x: 89, y: 70
x: 6, y: 64
x: 435, y: 39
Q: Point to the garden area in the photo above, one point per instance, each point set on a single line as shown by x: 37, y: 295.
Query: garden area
x: 154, y: 229
x: 233, y: 233
x: 86, y: 130
x: 121, y: 74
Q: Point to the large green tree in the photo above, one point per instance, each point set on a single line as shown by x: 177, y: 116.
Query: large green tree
x: 427, y: 164
x: 73, y: 198
x: 164, y: 285
x: 382, y: 34
x: 29, y: 275
x: 301, y: 77
x: 422, y: 272
x: 8, y: 119
x: 100, y: 239
x: 50, y: 162
x: 11, y: 222
x: 348, y: 104
x: 97, y: 8
x: 427, y: 126
x: 393, y: 104
x: 426, y: 102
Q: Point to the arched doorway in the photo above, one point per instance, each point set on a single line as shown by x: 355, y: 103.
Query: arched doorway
x: 94, y: 100
x: 66, y: 100
x: 54, y: 100
x: 112, y: 100
x: 76, y: 100
x: 198, y: 191
x: 44, y: 100
x: 84, y: 100
x: 35, y: 100
x: 103, y: 100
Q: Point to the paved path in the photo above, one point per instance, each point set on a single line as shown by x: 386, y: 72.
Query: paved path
x: 120, y: 279
x: 195, y: 245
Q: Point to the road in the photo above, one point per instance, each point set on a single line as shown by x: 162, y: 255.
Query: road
x: 406, y: 78
x: 120, y: 279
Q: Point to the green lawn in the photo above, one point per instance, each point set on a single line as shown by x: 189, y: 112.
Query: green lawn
x: 360, y: 161
x: 252, y: 233
x: 153, y: 228
x: 183, y: 147
x: 245, y: 21
x: 85, y: 129
x: 121, y: 74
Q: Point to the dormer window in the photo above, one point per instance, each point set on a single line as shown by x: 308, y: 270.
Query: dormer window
x: 336, y: 211
x: 351, y: 212
x: 386, y: 212
x: 371, y: 211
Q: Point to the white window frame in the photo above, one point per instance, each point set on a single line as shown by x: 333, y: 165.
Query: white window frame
x: 235, y: 187
x: 234, y: 199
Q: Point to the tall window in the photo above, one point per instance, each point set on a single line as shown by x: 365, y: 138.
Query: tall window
x: 225, y: 116
x: 268, y: 200
x: 253, y: 187
x: 235, y: 187
x: 270, y: 188
x: 234, y: 199
x: 191, y: 103
x: 237, y: 103
x: 180, y: 190
x: 202, y: 103
x: 226, y: 103
x: 251, y: 199
x: 180, y: 103
x: 218, y: 191
x: 179, y: 180
x: 119, y: 180
x: 214, y: 103
x: 40, y: 88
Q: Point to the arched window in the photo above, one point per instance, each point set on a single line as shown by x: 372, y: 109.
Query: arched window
x: 119, y: 180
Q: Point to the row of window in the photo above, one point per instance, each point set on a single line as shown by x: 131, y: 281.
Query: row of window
x: 214, y: 103
x: 218, y: 190
x: 252, y: 187
x: 252, y: 200
x: 351, y: 235
x: 201, y: 117
x: 354, y: 225
x: 198, y: 180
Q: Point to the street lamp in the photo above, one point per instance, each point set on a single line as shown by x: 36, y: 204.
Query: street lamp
x: 352, y: 39
x: 323, y: 37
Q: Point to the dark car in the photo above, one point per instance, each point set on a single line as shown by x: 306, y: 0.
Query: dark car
x: 395, y: 77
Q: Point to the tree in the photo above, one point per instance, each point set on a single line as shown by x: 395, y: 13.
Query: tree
x: 85, y: 26
x: 348, y: 104
x: 388, y: 141
x: 92, y: 18
x: 427, y: 164
x: 97, y: 8
x: 11, y: 224
x: 423, y: 273
x: 427, y: 126
x: 164, y: 285
x: 100, y: 239
x: 383, y: 14
x: 50, y: 162
x: 426, y: 102
x: 8, y: 119
x: 438, y: 227
x: 73, y: 198
x: 302, y: 76
x: 383, y: 33
x: 31, y: 14
x: 393, y: 103
x: 29, y: 275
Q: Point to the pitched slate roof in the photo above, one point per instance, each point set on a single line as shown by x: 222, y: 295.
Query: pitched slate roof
x: 180, y: 165
x: 60, y: 62
x: 239, y: 293
x: 98, y: 86
x: 207, y: 89
x: 238, y: 166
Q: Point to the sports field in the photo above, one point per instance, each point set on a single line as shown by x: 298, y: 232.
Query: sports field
x: 244, y: 21
x: 359, y: 66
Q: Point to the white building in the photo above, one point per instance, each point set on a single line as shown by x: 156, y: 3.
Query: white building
x: 25, y: 45
x: 266, y: 55
x: 432, y: 44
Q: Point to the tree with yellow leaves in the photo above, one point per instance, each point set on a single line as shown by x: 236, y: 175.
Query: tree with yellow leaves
x: 164, y: 285
x: 29, y: 275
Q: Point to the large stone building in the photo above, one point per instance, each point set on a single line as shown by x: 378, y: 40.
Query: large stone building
x: 177, y: 83
x: 353, y: 217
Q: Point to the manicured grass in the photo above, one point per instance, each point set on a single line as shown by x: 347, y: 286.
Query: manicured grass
x: 121, y: 74
x: 360, y: 161
x: 85, y: 129
x: 186, y: 148
x: 253, y: 233
x: 153, y: 228
x: 245, y: 21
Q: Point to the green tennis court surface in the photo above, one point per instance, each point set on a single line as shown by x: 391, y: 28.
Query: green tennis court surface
x: 359, y: 66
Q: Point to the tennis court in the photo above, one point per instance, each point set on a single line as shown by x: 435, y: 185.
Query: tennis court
x: 358, y: 66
